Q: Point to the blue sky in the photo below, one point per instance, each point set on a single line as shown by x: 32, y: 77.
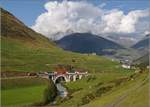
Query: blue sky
x: 28, y: 10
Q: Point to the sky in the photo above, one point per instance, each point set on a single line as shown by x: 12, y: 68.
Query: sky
x: 56, y: 18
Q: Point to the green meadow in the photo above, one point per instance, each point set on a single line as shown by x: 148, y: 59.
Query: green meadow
x: 22, y: 96
x: 22, y: 91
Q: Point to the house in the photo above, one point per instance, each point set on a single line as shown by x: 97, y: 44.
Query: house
x: 93, y: 53
x: 127, y: 66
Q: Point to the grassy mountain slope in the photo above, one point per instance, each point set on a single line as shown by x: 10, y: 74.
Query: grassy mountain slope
x: 115, y: 90
x: 17, y: 56
x: 133, y: 93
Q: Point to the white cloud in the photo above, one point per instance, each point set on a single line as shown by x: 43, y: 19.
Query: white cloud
x: 147, y: 32
x: 67, y: 17
x: 117, y: 21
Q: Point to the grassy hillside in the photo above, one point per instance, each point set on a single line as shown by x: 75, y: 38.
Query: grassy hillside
x: 115, y: 90
x: 133, y: 93
x: 17, y: 56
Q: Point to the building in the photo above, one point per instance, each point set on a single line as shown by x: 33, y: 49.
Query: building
x: 93, y: 53
x: 127, y: 66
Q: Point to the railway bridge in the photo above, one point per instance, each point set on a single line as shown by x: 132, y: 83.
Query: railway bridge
x: 64, y: 76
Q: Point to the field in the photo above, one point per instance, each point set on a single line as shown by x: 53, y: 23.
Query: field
x: 22, y: 96
x: 22, y: 91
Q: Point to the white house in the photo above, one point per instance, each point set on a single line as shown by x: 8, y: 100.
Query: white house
x: 93, y: 53
x: 127, y: 66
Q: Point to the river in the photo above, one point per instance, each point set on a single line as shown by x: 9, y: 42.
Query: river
x: 62, y: 90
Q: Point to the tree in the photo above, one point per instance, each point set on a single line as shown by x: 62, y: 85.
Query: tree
x: 50, y: 92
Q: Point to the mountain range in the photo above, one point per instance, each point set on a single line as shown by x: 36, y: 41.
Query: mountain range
x: 126, y: 40
x: 142, y: 44
x: 88, y: 43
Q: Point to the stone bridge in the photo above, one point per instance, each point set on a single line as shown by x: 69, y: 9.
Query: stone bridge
x: 66, y: 76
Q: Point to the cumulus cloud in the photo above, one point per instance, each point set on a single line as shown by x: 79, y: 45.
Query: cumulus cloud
x: 62, y: 18
x: 117, y: 21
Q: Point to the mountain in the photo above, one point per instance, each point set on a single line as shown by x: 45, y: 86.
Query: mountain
x: 142, y: 44
x: 12, y: 28
x: 125, y: 40
x: 88, y: 43
x: 24, y: 50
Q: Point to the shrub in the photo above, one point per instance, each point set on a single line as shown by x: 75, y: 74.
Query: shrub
x: 50, y: 92
x: 86, y: 99
x: 103, y: 90
x: 90, y: 78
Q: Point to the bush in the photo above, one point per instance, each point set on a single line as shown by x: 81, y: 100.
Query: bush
x: 99, y: 84
x: 50, y: 92
x: 49, y: 95
x: 86, y: 99
x: 91, y: 78
x: 103, y: 90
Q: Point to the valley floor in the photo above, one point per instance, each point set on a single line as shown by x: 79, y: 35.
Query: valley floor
x: 113, y: 89
x: 21, y: 91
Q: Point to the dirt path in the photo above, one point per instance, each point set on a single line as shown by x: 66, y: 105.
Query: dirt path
x: 18, y: 77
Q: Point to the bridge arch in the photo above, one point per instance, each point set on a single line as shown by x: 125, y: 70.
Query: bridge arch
x: 60, y: 78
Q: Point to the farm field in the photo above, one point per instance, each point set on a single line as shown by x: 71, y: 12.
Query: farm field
x: 22, y: 96
x: 22, y: 91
